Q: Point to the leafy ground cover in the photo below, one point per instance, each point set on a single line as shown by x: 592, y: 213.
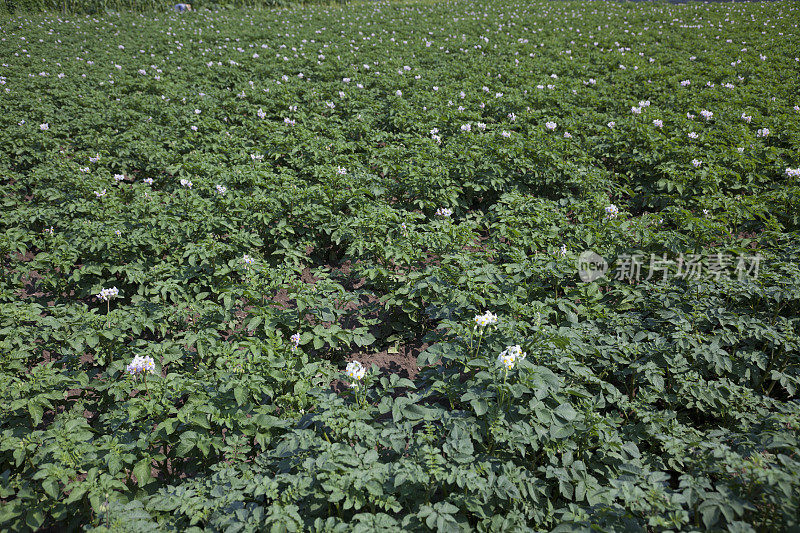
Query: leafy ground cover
x: 207, y: 218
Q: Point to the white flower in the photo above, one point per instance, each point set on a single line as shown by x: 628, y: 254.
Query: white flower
x: 706, y: 212
x: 481, y: 126
x: 486, y: 319
x: 247, y: 260
x: 612, y: 211
x: 341, y: 171
x: 444, y: 212
x: 746, y: 118
x: 740, y: 149
x: 398, y: 93
x: 793, y: 172
x: 706, y: 114
x: 45, y: 126
x: 658, y: 123
x: 563, y: 250
x: 466, y: 127
x: 510, y: 356
x: 689, y: 116
x: 141, y: 365
x: 256, y: 157
x: 261, y: 113
x: 355, y: 371
x: 295, y: 341
x: 289, y: 121
x: 764, y: 132
x: 100, y: 194
x: 194, y: 128
x: 644, y: 103
x: 692, y: 135
x: 505, y: 134
x: 550, y: 125
x: 148, y: 181
x: 685, y: 83
x: 636, y: 110
x: 186, y: 183
x: 696, y: 163
x: 567, y: 135
x: 108, y: 294
x: 611, y: 124
x: 221, y: 189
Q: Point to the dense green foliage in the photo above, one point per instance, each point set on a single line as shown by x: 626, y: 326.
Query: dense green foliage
x: 243, y: 176
x: 93, y: 7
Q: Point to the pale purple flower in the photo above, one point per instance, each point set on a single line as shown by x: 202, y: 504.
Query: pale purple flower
x: 141, y: 365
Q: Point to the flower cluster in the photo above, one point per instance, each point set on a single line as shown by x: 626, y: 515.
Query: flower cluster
x: 186, y: 183
x: 550, y: 125
x: 356, y: 372
x: 707, y: 114
x: 764, y: 132
x: 221, y: 189
x: 510, y: 356
x: 612, y: 211
x: 486, y: 319
x: 696, y: 163
x: 141, y: 365
x: 793, y: 172
x: 108, y: 294
x: 444, y: 212
x: 100, y: 194
x: 295, y: 341
x: 247, y: 260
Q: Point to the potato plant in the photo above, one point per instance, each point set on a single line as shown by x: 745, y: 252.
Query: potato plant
x: 469, y: 265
